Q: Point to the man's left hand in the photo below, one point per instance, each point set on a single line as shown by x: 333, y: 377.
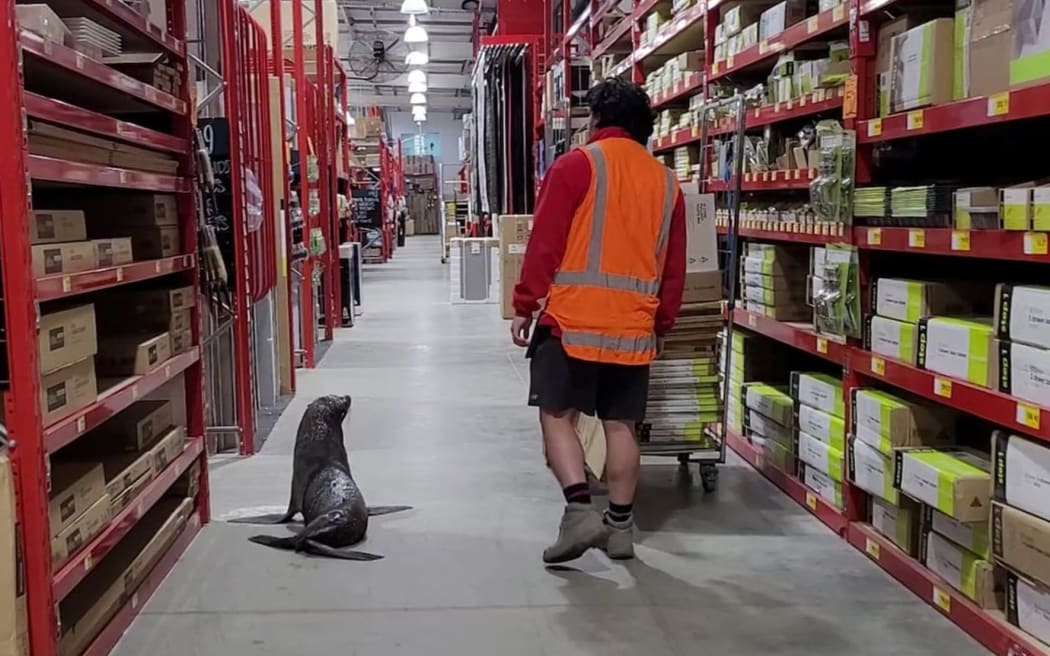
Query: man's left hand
x: 659, y: 346
x: 519, y: 330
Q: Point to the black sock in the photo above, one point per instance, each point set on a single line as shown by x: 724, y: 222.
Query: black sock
x: 619, y: 513
x: 577, y: 493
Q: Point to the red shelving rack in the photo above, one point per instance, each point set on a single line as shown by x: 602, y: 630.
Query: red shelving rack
x: 92, y: 101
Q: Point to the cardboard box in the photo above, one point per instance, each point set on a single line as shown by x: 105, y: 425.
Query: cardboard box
x: 181, y: 342
x: 65, y: 337
x: 827, y: 488
x: 66, y: 257
x: 112, y: 252
x: 13, y: 640
x: 130, y: 493
x: 80, y: 531
x: 1017, y: 206
x: 779, y: 17
x: 66, y: 390
x: 976, y: 208
x: 821, y: 456
x: 761, y: 425
x: 892, y: 338
x: 736, y: 17
x: 368, y: 127
x: 1022, y: 314
x: 772, y: 402
x: 701, y: 238
x: 1021, y: 542
x: 75, y: 487
x: 55, y: 226
x: 963, y: 570
x: 898, y: 523
x: 514, y: 232
x: 41, y: 19
x: 141, y: 424
x: 152, y: 242
x: 922, y: 66
x: 775, y: 453
x: 823, y: 426
x: 1021, y: 473
x: 821, y: 391
x: 1024, y: 372
x: 1031, y: 52
x: 1041, y: 208
x: 132, y: 355
x: 956, y: 481
x: 873, y: 471
x: 972, y: 536
x: 912, y: 300
x: 131, y: 210
x: 167, y: 449
x: 961, y: 348
x: 886, y: 421
x: 702, y: 287
x: 1028, y: 606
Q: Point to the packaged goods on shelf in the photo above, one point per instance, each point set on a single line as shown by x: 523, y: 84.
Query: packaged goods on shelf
x: 920, y: 206
x: 973, y: 536
x: 111, y: 583
x: 53, y: 226
x: 871, y: 202
x: 819, y: 391
x: 892, y: 338
x: 1022, y: 314
x: 955, y: 480
x: 821, y: 456
x: 899, y: 523
x: 1026, y: 206
x: 772, y: 402
x: 132, y: 354
x: 779, y: 17
x: 823, y: 426
x: 75, y: 487
x: 1031, y: 46
x: 961, y: 348
x: 1024, y: 372
x: 66, y: 337
x: 1021, y: 542
x: 1028, y: 606
x: 13, y: 638
x: 963, y: 570
x: 653, y: 24
x: 132, y: 209
x: 83, y: 529
x: 52, y: 141
x: 155, y: 69
x: 41, y: 19
x: 67, y: 257
x: 112, y: 252
x: 1022, y: 473
x: 91, y: 38
x: 922, y: 66
x: 736, y: 17
x: 912, y: 300
x: 514, y: 232
x: 976, y: 208
x: 887, y: 422
x: 774, y: 453
x: 873, y: 471
x: 67, y: 390
x: 769, y: 429
x: 829, y: 489
x: 140, y: 425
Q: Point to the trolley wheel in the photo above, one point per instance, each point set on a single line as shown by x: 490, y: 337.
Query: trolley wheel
x: 683, y: 459
x: 709, y: 476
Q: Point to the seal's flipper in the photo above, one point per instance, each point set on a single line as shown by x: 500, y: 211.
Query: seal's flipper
x: 316, y: 548
x: 273, y: 541
x: 263, y: 519
x: 386, y: 510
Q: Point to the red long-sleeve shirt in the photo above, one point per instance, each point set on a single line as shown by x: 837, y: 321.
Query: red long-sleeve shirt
x: 562, y: 192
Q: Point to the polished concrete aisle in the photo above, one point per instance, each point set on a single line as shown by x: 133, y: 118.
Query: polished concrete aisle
x: 439, y: 422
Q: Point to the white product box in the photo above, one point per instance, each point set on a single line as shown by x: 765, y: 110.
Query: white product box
x: 872, y: 471
x: 1022, y: 473
x: 820, y: 455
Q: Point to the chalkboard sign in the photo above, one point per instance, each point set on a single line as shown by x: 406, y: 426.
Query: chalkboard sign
x: 367, y: 207
x: 218, y: 207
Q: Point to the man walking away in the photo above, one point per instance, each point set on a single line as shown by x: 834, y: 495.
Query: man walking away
x: 607, y: 251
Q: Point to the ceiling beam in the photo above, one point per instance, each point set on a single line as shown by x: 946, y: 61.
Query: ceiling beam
x: 400, y: 101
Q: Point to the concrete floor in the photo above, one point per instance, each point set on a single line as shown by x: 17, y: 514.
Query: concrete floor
x: 439, y: 422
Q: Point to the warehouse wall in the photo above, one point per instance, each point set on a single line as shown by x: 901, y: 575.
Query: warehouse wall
x: 450, y: 129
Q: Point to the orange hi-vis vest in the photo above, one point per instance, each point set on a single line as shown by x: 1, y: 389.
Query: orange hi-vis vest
x: 605, y: 293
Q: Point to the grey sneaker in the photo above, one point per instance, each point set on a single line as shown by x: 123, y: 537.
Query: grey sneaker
x: 619, y: 539
x: 581, y: 529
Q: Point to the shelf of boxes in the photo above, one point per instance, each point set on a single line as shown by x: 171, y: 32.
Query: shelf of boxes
x: 799, y: 336
x: 775, y: 180
x: 816, y: 234
x: 99, y: 247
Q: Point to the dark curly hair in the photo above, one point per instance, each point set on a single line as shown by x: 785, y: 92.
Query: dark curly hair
x: 616, y: 103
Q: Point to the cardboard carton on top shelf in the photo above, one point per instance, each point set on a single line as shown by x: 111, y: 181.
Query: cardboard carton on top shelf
x: 51, y: 226
x: 991, y: 46
x: 66, y: 337
x: 75, y: 487
x: 1022, y: 314
x: 66, y: 390
x: 779, y: 17
x: 922, y: 66
x: 132, y: 355
x: 736, y: 15
x: 68, y: 257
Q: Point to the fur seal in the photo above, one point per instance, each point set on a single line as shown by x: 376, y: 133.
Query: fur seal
x: 323, y: 490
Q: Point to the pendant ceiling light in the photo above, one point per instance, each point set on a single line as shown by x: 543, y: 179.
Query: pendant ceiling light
x: 419, y: 110
x: 415, y: 33
x: 416, y: 76
x: 417, y: 58
x: 418, y: 99
x: 417, y: 87
x: 415, y: 7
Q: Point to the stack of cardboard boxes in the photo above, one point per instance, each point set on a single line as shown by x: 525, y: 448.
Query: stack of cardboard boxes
x: 514, y: 232
x: 820, y: 433
x: 1022, y: 324
x: 773, y: 282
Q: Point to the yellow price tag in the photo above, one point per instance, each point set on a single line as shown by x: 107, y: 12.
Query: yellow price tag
x: 874, y: 236
x: 960, y: 240
x: 89, y: 562
x: 915, y: 119
x: 752, y: 321
x: 813, y: 24
x: 80, y: 61
x: 81, y: 424
x: 796, y: 174
x: 822, y: 346
x: 916, y: 239
x: 1028, y: 415
x: 714, y: 68
x: 942, y: 387
x: 942, y: 599
x: 763, y: 47
x: 872, y: 548
x: 67, y: 284
x: 811, y: 501
x: 838, y: 13
x: 999, y: 104
x: 874, y: 127
x: 1035, y: 243
x: 878, y: 366
x: 120, y: 274
x: 729, y: 61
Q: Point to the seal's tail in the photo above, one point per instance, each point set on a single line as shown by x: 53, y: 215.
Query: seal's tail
x: 386, y: 510
x: 318, y: 549
x: 263, y: 519
x: 275, y: 542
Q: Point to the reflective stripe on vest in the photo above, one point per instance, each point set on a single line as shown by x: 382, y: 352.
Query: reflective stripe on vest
x: 642, y: 344
x: 592, y: 275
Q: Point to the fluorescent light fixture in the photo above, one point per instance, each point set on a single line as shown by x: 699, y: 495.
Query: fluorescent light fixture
x: 417, y: 100
x: 415, y: 7
x: 419, y: 109
x: 415, y: 33
x: 419, y: 116
x: 416, y: 76
x: 417, y: 87
x: 417, y: 58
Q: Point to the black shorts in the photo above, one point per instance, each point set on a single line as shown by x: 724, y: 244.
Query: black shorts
x: 560, y: 382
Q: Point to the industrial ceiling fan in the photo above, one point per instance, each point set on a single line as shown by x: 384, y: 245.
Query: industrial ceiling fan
x: 376, y: 55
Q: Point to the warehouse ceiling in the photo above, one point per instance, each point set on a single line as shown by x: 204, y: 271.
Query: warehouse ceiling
x: 364, y: 25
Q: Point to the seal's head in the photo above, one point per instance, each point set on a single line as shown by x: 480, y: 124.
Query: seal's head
x: 330, y: 409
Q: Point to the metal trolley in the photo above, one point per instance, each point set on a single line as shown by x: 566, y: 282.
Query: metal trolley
x: 709, y: 450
